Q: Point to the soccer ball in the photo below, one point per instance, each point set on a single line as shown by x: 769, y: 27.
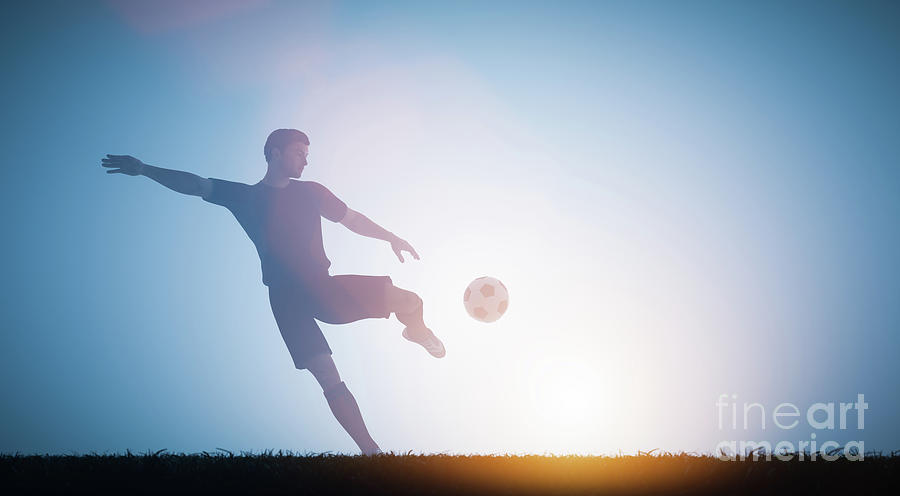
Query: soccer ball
x: 486, y: 299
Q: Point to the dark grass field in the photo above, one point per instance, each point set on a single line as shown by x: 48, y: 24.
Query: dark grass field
x: 279, y: 473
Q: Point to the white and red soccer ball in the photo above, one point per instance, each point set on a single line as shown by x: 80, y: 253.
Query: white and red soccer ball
x: 486, y: 299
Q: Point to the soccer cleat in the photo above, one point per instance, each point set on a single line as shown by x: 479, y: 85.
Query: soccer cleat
x: 427, y: 339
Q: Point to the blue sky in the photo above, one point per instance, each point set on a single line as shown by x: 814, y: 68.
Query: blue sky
x: 684, y: 199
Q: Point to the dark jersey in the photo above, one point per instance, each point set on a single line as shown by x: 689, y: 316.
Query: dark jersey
x: 285, y: 225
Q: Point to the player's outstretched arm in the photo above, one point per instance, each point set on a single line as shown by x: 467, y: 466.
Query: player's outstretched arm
x: 362, y: 225
x: 182, y: 182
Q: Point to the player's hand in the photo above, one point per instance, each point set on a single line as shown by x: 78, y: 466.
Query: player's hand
x: 399, y: 245
x: 123, y: 164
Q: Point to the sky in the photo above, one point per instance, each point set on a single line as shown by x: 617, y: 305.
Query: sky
x: 685, y: 200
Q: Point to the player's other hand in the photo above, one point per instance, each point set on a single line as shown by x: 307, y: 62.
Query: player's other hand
x: 123, y: 164
x: 399, y: 245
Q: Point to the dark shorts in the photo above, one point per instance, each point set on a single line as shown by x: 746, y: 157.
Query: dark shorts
x: 337, y: 299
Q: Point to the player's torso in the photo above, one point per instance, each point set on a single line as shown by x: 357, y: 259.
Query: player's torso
x: 286, y: 227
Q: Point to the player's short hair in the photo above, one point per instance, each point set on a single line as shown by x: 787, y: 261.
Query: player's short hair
x: 281, y: 138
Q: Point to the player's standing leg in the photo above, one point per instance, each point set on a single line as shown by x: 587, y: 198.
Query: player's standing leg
x: 408, y: 308
x: 342, y: 403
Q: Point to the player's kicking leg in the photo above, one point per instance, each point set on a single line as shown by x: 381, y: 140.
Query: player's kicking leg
x: 342, y: 403
x: 408, y: 307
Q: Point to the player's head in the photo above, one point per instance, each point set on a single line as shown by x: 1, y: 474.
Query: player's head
x: 286, y: 150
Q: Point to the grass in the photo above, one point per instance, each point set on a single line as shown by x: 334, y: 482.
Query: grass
x: 287, y: 473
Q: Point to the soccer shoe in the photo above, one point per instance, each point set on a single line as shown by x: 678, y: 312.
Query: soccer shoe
x: 427, y: 339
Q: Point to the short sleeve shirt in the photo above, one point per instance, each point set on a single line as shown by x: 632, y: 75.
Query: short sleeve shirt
x: 284, y: 224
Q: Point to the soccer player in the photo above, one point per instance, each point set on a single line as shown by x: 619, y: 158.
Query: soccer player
x: 282, y: 218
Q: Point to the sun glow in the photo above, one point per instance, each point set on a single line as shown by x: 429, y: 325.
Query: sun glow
x: 565, y: 393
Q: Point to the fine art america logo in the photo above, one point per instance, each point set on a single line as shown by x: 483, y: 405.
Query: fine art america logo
x: 827, y: 417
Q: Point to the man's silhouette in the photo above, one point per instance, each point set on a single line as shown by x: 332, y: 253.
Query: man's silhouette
x: 282, y: 218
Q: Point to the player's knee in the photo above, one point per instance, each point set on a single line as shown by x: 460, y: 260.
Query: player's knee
x: 412, y: 302
x: 323, y: 369
x: 403, y: 301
